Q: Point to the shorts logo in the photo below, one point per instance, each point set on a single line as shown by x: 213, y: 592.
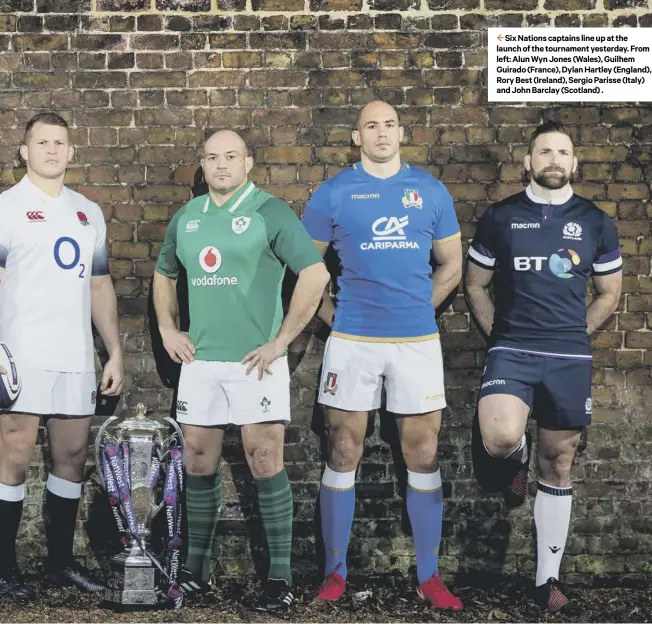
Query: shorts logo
x: 573, y: 231
x: 210, y: 259
x: 411, y: 199
x: 330, y: 384
x: 435, y: 397
x: 493, y: 382
x: 526, y: 226
x: 240, y: 224
x: 588, y: 405
x: 192, y: 226
x: 182, y: 407
x: 265, y: 403
x: 93, y: 397
x: 35, y: 216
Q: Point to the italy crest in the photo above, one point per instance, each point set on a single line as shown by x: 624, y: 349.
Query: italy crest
x: 411, y: 199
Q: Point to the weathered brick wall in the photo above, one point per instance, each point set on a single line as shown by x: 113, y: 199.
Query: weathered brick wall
x: 142, y: 80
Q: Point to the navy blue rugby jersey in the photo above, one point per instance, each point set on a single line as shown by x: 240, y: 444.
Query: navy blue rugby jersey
x: 543, y: 255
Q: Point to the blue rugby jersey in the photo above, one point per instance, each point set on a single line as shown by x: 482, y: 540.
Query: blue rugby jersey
x: 383, y: 231
x: 543, y: 255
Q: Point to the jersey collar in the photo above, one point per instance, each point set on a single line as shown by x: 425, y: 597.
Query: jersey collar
x: 397, y: 176
x: 540, y: 200
x: 233, y: 202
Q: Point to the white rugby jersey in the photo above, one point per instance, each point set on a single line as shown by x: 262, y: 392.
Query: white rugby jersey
x: 50, y: 247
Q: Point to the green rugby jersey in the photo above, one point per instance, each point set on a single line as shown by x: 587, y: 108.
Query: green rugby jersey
x: 235, y: 257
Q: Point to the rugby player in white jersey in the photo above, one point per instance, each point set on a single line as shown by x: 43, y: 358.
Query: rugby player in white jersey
x: 54, y: 279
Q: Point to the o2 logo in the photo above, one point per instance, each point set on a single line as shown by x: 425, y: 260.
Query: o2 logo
x: 67, y: 255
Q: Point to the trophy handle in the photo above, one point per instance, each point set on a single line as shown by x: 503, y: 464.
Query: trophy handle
x: 98, y: 444
x: 175, y: 425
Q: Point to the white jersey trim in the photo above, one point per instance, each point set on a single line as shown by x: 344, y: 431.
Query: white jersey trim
x: 603, y: 267
x: 571, y: 356
x: 481, y: 258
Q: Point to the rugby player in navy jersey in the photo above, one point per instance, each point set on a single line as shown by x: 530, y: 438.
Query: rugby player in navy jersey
x: 540, y: 247
x: 385, y: 219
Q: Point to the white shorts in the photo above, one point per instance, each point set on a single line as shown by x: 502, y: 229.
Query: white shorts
x: 50, y: 392
x: 354, y: 371
x: 219, y: 393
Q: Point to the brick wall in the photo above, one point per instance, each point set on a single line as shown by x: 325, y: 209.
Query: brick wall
x: 142, y: 80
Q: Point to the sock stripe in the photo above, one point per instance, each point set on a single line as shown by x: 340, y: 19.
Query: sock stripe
x: 554, y: 491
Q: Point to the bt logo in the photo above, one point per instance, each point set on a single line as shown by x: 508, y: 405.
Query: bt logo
x: 559, y: 265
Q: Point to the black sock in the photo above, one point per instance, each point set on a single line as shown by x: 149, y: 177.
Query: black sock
x: 61, y: 518
x: 10, y: 514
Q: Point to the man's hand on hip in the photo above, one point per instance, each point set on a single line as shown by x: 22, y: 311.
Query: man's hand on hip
x: 262, y: 357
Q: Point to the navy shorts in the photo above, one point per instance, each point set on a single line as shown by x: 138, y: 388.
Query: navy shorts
x: 558, y: 388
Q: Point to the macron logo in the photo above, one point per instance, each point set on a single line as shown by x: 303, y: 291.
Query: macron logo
x: 526, y: 226
x: 368, y: 196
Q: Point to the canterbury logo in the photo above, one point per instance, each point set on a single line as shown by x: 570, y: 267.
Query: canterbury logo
x: 35, y: 216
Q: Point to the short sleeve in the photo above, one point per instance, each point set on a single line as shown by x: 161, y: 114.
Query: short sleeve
x: 445, y: 225
x: 481, y: 249
x: 5, y: 237
x: 168, y: 263
x: 318, y: 215
x: 607, y: 258
x: 100, y: 258
x: 287, y: 237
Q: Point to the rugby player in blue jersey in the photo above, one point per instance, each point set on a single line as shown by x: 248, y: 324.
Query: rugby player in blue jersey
x: 384, y: 219
x: 540, y: 247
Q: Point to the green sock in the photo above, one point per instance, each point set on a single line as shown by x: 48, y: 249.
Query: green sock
x: 276, y: 508
x: 203, y: 502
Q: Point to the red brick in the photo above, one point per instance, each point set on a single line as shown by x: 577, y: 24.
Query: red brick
x: 282, y: 78
x: 129, y: 250
x: 161, y: 193
x: 216, y: 79
x: 164, y: 154
x: 283, y: 155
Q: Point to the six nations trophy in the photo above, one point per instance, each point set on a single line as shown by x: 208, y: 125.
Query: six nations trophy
x: 130, y: 459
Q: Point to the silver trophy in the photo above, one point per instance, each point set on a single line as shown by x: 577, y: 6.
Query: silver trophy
x: 129, y: 457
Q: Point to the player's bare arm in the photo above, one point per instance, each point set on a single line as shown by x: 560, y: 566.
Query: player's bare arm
x: 476, y: 282
x: 606, y: 301
x: 104, y: 311
x: 448, y: 273
x: 327, y: 307
x: 176, y: 343
x: 305, y: 299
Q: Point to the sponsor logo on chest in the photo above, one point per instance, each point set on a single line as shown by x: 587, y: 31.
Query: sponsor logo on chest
x: 389, y: 233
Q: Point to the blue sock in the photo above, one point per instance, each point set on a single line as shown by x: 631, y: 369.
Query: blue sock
x: 425, y: 505
x: 337, y: 502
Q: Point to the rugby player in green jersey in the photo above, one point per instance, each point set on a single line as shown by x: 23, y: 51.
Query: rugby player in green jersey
x: 235, y: 243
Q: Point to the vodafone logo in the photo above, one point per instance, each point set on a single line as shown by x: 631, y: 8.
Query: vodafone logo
x: 35, y: 216
x: 210, y: 259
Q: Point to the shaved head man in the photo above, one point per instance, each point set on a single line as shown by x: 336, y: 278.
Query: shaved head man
x: 378, y: 133
x: 385, y: 219
x: 235, y: 243
x: 226, y: 162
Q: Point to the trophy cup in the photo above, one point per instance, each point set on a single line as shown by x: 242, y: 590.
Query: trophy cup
x: 130, y: 457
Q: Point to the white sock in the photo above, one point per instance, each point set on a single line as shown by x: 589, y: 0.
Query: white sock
x: 520, y: 452
x: 552, y: 514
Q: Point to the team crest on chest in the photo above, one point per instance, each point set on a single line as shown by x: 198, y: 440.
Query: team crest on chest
x: 83, y: 219
x: 240, y: 224
x: 411, y: 199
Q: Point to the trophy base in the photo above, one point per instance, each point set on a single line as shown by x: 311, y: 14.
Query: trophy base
x: 133, y: 580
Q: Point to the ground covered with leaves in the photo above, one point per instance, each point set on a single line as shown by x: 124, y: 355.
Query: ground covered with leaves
x: 505, y: 601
